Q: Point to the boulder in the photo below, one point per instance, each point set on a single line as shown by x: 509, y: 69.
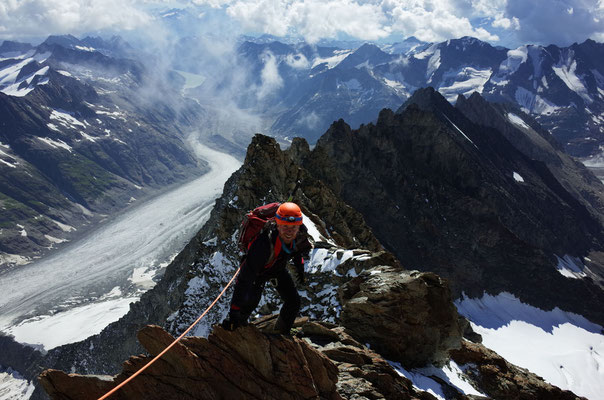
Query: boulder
x: 406, y: 316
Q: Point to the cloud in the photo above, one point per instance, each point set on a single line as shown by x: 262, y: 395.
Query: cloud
x: 311, y: 121
x: 367, y: 20
x: 506, y: 23
x: 516, y: 21
x: 312, y: 19
x: 436, y: 24
x: 538, y: 21
x: 271, y: 80
x: 28, y: 18
x: 547, y: 22
x: 298, y: 61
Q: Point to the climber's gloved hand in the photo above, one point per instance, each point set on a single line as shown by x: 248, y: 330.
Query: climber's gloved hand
x: 300, y: 277
x: 234, y: 320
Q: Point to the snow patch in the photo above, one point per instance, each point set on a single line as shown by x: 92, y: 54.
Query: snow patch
x: 566, y: 71
x: 464, y: 81
x: 450, y: 373
x: 84, y: 210
x: 87, y: 137
x: 51, y: 331
x: 331, y: 62
x: 114, y: 114
x: 518, y: 177
x: 433, y: 65
x: 143, y: 278
x: 64, y: 227
x: 55, y: 240
x: 57, y: 144
x: 211, y: 242
x: 13, y: 386
x: 564, y: 348
x: 327, y: 260
x: 426, y: 53
x: 83, y: 48
x: 65, y: 118
x: 394, y: 84
x: 41, y: 57
x: 13, y: 85
x: 13, y: 259
x: 515, y: 59
x: 516, y: 120
x: 533, y: 103
x: 571, y: 267
x: 313, y: 231
x: 8, y: 163
x: 218, y: 260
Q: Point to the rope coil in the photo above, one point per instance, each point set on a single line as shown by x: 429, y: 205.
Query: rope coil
x: 157, y: 357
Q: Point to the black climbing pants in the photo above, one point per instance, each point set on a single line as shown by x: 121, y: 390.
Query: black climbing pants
x: 247, y: 296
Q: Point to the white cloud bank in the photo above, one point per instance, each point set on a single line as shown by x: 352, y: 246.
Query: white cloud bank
x: 515, y: 21
x: 27, y: 18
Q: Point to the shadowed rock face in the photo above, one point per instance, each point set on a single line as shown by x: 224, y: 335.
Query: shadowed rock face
x: 406, y: 316
x: 442, y: 193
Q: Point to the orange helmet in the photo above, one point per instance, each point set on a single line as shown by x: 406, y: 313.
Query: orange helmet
x: 289, y: 214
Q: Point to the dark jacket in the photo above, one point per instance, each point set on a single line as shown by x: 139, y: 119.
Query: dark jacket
x: 267, y: 256
x: 267, y: 259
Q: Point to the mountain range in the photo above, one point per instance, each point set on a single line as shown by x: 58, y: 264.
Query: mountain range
x: 400, y: 188
x: 84, y: 134
x: 93, y: 121
x: 562, y: 88
x: 478, y: 193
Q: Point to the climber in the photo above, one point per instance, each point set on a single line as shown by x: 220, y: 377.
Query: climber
x: 282, y: 239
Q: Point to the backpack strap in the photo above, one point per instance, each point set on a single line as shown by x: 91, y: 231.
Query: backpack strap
x: 275, y: 251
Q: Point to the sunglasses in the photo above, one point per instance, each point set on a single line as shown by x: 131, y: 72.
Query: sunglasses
x: 288, y: 219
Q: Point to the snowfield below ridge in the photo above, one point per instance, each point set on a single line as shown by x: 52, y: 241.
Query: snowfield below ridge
x: 563, y: 348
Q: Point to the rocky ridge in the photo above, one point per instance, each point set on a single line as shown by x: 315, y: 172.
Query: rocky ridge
x: 460, y: 199
x: 321, y: 362
x: 209, y: 261
x: 349, y: 288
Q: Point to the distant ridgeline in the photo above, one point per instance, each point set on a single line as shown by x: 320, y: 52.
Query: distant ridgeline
x: 561, y: 87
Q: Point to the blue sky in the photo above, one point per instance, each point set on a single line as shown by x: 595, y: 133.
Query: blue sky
x: 509, y: 23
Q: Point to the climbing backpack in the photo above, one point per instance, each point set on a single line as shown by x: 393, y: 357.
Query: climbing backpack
x: 253, y: 222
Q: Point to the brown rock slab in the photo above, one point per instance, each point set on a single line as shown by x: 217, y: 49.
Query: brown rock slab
x: 245, y: 363
x: 406, y: 316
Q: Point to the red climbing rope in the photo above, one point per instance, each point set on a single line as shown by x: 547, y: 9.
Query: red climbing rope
x: 157, y: 357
